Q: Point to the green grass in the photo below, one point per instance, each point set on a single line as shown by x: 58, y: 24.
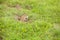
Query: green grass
x: 43, y: 13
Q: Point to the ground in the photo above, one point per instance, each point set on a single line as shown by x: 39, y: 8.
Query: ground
x: 43, y: 14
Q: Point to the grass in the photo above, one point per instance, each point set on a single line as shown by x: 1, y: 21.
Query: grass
x: 43, y: 13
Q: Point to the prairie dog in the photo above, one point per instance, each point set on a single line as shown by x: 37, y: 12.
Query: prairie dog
x: 23, y: 18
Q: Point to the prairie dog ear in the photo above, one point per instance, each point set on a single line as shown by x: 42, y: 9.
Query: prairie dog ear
x: 17, y: 17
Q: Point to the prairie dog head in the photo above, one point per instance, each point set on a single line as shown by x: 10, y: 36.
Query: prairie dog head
x: 24, y: 18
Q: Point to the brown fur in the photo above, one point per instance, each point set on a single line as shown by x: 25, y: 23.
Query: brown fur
x: 23, y: 18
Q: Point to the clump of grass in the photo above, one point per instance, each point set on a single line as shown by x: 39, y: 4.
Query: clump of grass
x: 20, y: 30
